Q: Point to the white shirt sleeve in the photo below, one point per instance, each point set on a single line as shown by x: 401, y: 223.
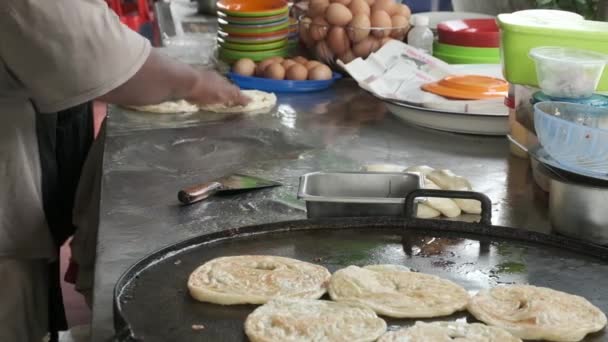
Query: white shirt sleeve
x: 67, y: 52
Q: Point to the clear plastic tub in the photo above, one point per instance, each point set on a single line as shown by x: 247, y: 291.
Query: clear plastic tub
x: 567, y: 72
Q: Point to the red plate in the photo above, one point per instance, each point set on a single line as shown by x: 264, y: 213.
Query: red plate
x: 470, y: 32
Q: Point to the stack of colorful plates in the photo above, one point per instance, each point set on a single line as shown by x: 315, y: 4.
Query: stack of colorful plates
x: 468, y: 41
x: 255, y: 29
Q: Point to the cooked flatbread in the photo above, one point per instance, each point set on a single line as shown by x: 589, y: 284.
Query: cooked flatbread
x: 304, y: 320
x: 449, y: 332
x: 395, y: 291
x: 169, y: 107
x: 255, y: 279
x: 260, y: 102
x: 537, y: 313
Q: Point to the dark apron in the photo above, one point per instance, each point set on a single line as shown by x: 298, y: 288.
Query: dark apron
x: 64, y: 139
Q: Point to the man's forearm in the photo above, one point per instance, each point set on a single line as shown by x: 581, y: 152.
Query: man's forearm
x: 159, y: 79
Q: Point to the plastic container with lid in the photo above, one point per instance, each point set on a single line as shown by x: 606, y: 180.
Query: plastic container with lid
x: 567, y: 72
x: 525, y: 30
x: 421, y: 36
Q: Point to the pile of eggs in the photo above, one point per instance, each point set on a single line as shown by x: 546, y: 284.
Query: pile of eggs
x: 347, y: 29
x: 278, y: 68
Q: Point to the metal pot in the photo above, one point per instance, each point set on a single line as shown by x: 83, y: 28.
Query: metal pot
x: 577, y: 208
x: 208, y: 7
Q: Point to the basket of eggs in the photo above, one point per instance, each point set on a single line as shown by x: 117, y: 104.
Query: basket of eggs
x: 346, y: 29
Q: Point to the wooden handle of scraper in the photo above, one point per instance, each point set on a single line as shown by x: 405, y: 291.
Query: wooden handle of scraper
x: 199, y: 192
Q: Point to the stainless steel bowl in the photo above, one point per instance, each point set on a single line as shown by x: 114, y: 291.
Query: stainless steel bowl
x: 577, y: 207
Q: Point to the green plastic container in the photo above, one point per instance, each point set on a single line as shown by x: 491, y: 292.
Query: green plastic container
x: 454, y: 54
x: 520, y: 33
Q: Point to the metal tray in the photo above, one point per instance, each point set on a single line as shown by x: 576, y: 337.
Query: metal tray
x: 356, y: 194
x: 152, y: 303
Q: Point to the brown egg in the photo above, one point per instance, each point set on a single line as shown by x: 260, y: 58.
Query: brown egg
x: 370, y: 2
x: 311, y: 64
x: 388, y: 6
x: 320, y: 72
x: 296, y: 72
x: 381, y: 19
x: 357, y: 7
x: 316, y: 8
x: 337, y: 40
x: 343, y: 2
x: 244, y: 66
x: 359, y: 28
x: 305, y: 32
x: 404, y: 11
x: 259, y: 71
x: 338, y: 14
x: 400, y: 25
x: 347, y: 57
x: 277, y: 59
x: 318, y: 28
x: 365, y: 47
x: 300, y: 60
x: 287, y: 63
x: 275, y: 71
x: 323, y: 52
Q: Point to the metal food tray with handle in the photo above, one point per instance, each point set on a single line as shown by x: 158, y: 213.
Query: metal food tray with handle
x: 357, y: 194
x: 152, y: 303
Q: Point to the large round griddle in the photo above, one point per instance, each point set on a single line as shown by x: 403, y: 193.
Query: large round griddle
x: 152, y: 301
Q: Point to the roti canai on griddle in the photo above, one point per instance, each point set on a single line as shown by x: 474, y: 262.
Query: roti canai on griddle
x: 303, y: 320
x: 449, y: 332
x: 395, y: 291
x: 255, y: 279
x: 537, y: 313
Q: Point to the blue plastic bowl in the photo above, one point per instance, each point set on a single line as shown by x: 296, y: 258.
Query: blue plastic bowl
x: 282, y: 86
x: 575, y: 135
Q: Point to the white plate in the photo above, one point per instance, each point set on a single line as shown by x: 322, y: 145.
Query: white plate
x: 467, y: 123
x: 438, y: 17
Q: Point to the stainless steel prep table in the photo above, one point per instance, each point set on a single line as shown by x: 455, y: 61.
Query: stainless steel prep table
x: 148, y: 157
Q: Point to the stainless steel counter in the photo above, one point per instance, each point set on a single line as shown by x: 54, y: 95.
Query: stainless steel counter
x: 149, y: 157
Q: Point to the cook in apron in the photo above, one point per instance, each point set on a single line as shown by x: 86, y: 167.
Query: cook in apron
x: 64, y: 139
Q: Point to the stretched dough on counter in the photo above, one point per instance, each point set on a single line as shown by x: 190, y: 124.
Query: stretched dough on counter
x: 169, y: 107
x: 260, y: 102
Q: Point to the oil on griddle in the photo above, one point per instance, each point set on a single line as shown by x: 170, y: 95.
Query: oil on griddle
x: 157, y: 306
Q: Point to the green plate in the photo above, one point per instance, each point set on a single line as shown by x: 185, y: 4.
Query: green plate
x: 251, y: 47
x: 252, y: 29
x: 251, y: 21
x: 251, y: 40
x: 228, y: 55
x: 466, y: 51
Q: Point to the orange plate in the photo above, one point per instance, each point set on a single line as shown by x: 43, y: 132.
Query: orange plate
x: 252, y: 7
x: 469, y: 87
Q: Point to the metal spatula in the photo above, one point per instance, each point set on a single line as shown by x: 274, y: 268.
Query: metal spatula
x: 230, y: 184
